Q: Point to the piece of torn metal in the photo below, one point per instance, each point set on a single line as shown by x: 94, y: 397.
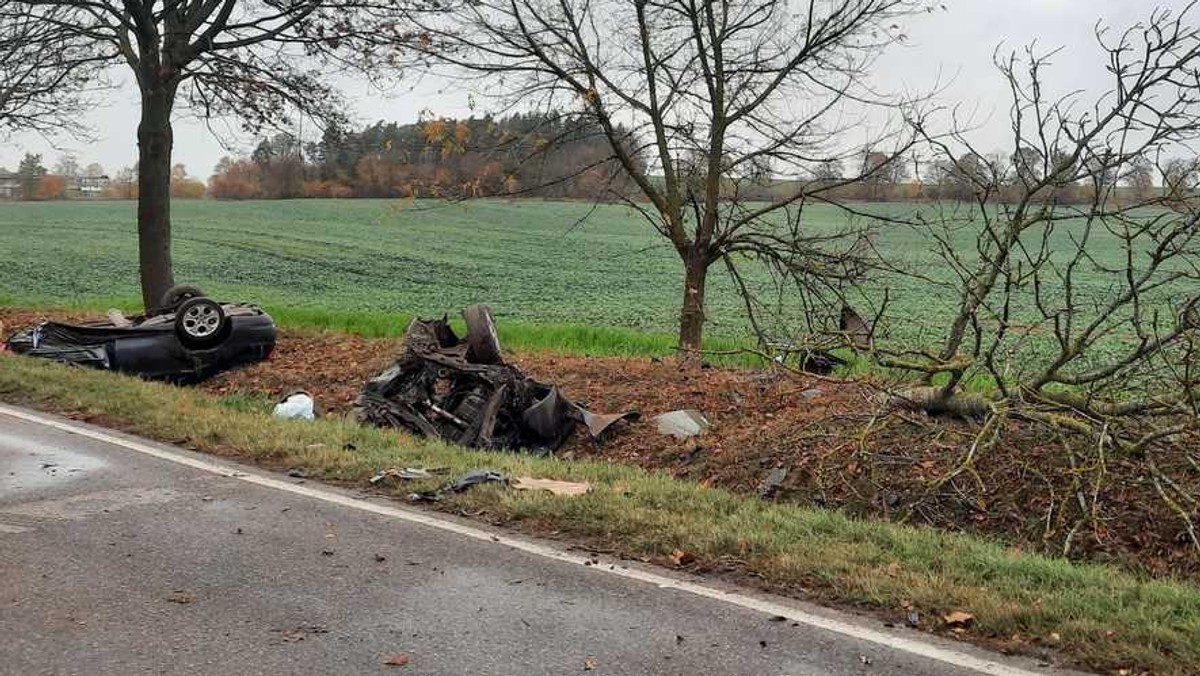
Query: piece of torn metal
x: 858, y: 331
x: 463, y: 483
x: 406, y: 474
x: 475, y: 478
x: 682, y: 424
x: 462, y: 391
x: 770, y: 485
x: 565, y: 488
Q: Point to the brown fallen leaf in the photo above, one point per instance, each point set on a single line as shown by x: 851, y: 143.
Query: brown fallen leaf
x: 682, y: 558
x: 958, y: 619
x: 399, y: 660
x: 590, y: 664
x: 567, y: 488
x: 181, y: 597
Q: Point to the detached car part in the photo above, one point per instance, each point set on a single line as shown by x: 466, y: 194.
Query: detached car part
x: 192, y: 339
x: 462, y: 391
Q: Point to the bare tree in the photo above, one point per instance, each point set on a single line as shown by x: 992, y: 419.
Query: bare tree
x: 44, y: 73
x: 722, y: 96
x: 252, y: 59
x: 1139, y: 177
x: 67, y: 166
x: 1084, y: 316
x: 1180, y: 180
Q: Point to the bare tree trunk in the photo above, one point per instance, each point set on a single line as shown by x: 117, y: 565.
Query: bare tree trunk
x: 155, y: 141
x: 691, y: 317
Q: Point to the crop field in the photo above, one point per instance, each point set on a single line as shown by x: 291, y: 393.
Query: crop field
x: 536, y: 263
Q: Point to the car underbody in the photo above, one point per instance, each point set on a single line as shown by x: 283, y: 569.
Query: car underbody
x: 461, y: 391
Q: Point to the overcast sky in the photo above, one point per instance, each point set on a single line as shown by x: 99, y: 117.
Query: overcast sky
x: 954, y: 46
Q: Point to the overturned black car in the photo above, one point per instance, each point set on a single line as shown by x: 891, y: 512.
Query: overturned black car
x: 462, y: 391
x: 190, y: 338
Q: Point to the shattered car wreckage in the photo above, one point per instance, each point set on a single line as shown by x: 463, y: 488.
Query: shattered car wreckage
x: 462, y: 391
x: 191, y: 337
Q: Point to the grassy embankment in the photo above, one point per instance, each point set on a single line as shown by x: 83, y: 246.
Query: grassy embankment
x: 1101, y: 616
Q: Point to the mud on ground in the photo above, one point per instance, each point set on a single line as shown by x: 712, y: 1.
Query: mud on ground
x: 841, y: 449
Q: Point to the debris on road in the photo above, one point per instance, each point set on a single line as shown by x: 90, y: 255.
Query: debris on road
x: 483, y: 476
x: 567, y: 488
x: 463, y: 483
x: 300, y: 633
x: 682, y: 424
x: 189, y: 338
x: 295, y: 405
x: 399, y: 660
x: 475, y: 478
x: 914, y: 619
x: 181, y: 597
x: 461, y: 390
x: 682, y: 558
x: 958, y: 619
x: 406, y: 474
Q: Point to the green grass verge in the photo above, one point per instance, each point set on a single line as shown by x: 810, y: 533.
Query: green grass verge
x: 1101, y: 616
x: 558, y: 338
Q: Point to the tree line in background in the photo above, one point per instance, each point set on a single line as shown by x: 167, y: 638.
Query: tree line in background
x: 539, y: 156
x: 886, y: 178
x: 532, y: 155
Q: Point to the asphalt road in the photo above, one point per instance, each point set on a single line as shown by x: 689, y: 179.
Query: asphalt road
x: 113, y: 561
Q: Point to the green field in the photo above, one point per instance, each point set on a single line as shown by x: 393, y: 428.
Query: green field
x: 356, y: 262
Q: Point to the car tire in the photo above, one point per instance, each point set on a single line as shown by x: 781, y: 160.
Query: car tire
x: 483, y: 343
x: 176, y: 296
x: 201, y: 323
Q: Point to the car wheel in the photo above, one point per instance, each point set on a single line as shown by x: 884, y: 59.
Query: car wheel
x: 482, y: 341
x: 176, y: 295
x: 200, y: 322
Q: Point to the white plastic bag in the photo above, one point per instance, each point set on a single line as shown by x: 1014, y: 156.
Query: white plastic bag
x: 295, y: 405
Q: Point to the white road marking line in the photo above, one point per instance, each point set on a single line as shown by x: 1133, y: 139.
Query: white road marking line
x: 888, y: 640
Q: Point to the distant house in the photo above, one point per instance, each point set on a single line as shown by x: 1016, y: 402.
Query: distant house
x: 74, y: 187
x: 10, y: 186
x: 90, y: 187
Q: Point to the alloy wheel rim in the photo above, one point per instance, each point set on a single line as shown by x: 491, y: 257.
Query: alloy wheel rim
x: 201, y: 321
